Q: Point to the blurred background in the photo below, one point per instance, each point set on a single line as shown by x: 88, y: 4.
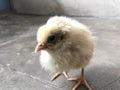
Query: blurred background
x: 19, y: 21
x: 89, y: 8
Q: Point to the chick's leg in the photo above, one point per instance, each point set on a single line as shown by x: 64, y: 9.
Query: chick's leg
x: 58, y: 74
x: 80, y: 81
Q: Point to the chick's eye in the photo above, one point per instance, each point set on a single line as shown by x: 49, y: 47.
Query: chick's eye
x: 51, y: 38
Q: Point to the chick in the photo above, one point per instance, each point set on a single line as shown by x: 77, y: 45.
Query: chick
x: 65, y: 44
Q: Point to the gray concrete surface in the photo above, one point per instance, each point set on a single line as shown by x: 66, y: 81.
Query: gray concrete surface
x: 19, y: 65
x: 92, y: 8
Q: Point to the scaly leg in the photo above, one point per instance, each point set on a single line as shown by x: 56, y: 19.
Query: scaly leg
x: 80, y: 81
x: 58, y: 74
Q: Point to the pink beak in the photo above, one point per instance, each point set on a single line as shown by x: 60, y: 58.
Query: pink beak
x: 39, y: 47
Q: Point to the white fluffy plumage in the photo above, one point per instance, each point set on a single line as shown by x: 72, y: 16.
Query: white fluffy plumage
x: 75, y: 49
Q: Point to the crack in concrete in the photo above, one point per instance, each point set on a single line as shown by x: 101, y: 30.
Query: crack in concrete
x: 7, y: 42
x: 15, y: 39
x: 37, y: 78
x: 31, y: 76
x: 45, y: 82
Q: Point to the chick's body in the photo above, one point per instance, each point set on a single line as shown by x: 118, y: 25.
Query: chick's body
x: 73, y: 52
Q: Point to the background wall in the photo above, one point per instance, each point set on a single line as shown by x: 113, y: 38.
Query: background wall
x: 93, y: 8
x: 4, y: 4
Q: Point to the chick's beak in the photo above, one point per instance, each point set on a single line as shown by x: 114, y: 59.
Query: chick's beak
x: 39, y: 47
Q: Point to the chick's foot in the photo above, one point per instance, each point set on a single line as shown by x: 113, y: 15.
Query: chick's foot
x: 58, y: 74
x: 80, y: 81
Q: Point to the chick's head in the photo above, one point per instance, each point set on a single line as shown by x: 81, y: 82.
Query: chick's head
x: 50, y: 37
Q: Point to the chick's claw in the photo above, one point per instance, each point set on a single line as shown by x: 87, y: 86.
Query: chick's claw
x: 58, y: 74
x: 80, y: 81
x: 66, y: 74
x: 55, y: 76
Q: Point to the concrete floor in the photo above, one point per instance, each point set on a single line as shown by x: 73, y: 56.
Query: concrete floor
x: 19, y: 65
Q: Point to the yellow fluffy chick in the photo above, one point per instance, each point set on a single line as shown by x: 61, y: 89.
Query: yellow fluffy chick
x: 65, y: 44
